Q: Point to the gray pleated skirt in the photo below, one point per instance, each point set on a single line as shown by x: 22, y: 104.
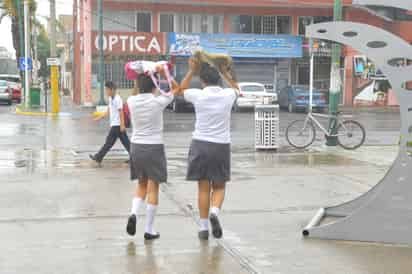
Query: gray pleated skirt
x: 209, y: 161
x: 148, y: 162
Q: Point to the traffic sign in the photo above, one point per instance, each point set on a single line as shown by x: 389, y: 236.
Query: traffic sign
x: 22, y: 63
x: 53, y: 61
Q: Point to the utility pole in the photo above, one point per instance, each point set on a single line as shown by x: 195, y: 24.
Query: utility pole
x: 21, y: 39
x: 26, y: 53
x: 74, y: 55
x: 335, y: 81
x: 311, y: 77
x: 101, y: 53
x: 54, y: 70
x: 53, y: 52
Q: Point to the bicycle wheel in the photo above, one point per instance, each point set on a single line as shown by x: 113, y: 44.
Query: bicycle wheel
x: 351, y: 134
x: 301, y: 134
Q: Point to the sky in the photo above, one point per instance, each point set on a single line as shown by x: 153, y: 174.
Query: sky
x: 62, y: 7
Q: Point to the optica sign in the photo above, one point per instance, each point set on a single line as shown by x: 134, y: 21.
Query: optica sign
x: 131, y: 43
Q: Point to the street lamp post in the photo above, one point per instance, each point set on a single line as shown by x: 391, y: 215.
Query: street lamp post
x: 311, y: 80
x: 335, y: 81
x: 26, y: 54
x: 21, y: 38
x: 307, y: 22
x: 101, y: 53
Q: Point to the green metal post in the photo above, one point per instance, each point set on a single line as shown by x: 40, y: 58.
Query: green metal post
x: 336, y: 82
x: 101, y: 53
x: 21, y: 39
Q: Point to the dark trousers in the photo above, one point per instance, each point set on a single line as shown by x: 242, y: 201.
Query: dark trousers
x: 111, y: 139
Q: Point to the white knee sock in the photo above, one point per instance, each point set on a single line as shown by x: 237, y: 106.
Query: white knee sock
x: 150, y: 215
x: 204, y: 224
x: 215, y: 210
x: 136, y: 203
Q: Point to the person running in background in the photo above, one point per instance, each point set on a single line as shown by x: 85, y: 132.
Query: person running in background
x: 210, y: 155
x: 117, y: 124
x: 148, y: 165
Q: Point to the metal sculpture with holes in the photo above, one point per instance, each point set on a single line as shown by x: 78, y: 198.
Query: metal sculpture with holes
x: 384, y: 214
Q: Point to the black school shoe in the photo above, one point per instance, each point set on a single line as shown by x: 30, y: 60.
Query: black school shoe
x: 216, y: 227
x: 149, y: 237
x: 204, y: 235
x: 131, y: 225
x: 92, y: 157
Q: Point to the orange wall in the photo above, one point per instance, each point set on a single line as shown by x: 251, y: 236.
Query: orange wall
x: 253, y: 10
x: 362, y: 16
x: 403, y: 29
x: 255, y: 3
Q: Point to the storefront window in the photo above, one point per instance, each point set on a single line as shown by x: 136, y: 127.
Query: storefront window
x: 143, y: 22
x: 114, y: 71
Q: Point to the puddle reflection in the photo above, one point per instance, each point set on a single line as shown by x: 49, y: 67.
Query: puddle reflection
x: 208, y: 259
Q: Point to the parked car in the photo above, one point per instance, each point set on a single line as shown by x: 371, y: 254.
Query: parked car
x: 251, y: 94
x: 14, y: 84
x: 5, y: 92
x: 296, y: 98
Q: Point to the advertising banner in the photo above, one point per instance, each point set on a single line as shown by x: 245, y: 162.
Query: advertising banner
x: 237, y: 45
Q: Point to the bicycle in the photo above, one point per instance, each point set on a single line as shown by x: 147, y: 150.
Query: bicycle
x: 302, y: 133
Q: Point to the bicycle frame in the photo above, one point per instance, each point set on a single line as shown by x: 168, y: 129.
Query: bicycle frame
x: 312, y: 117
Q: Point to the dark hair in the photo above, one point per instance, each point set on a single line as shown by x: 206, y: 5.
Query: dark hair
x: 110, y: 85
x: 146, y: 84
x: 209, y: 75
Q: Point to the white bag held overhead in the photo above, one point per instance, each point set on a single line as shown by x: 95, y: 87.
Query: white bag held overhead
x: 134, y: 68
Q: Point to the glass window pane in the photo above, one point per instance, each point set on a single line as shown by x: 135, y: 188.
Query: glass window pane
x: 245, y: 24
x: 217, y: 23
x: 321, y: 19
x: 269, y: 24
x: 257, y: 24
x: 166, y: 23
x: 203, y: 23
x: 185, y: 23
x: 303, y: 22
x: 284, y: 25
x: 144, y: 22
x: 235, y: 24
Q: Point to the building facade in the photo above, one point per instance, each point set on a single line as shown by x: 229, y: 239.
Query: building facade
x: 265, y: 38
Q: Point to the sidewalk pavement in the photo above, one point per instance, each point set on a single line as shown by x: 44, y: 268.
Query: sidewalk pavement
x: 60, y: 213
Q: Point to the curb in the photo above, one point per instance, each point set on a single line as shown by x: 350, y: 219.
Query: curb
x: 97, y: 114
x: 39, y: 114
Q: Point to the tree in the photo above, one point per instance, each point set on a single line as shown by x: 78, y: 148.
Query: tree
x: 43, y: 51
x: 8, y: 8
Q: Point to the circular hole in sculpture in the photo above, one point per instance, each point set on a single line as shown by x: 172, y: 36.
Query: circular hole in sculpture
x: 322, y: 31
x: 350, y: 34
x: 400, y: 62
x: 377, y: 44
x: 407, y: 85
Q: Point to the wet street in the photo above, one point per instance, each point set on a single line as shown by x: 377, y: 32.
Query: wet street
x: 60, y: 213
